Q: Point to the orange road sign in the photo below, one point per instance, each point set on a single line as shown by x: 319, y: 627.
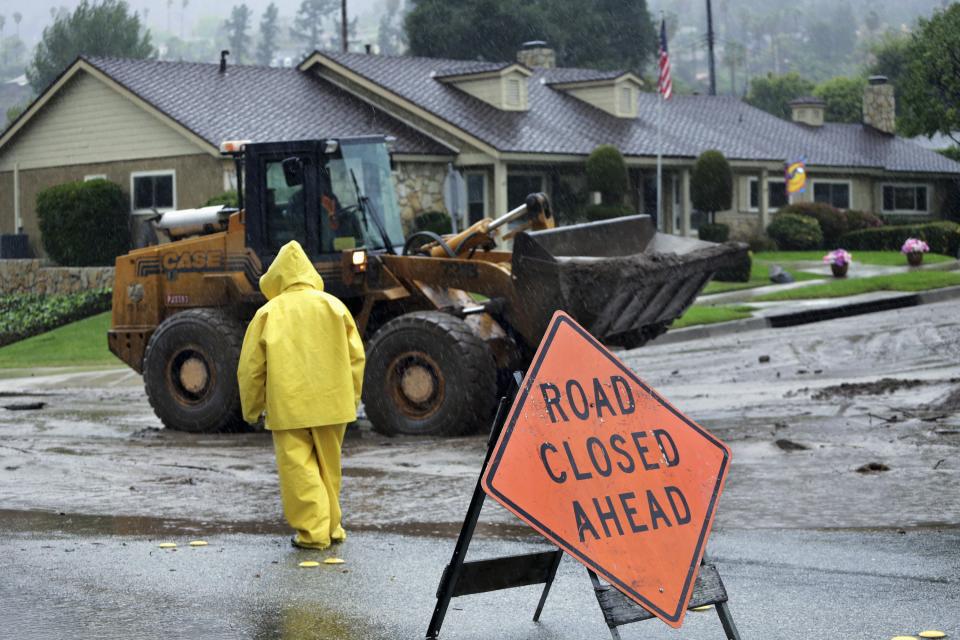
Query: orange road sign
x: 604, y: 467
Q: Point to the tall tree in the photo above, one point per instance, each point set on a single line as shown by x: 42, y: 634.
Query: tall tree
x: 930, y: 88
x: 105, y: 28
x: 267, y: 46
x: 773, y: 93
x: 17, y: 17
x: 236, y: 27
x: 390, y: 36
x: 591, y: 33
x: 735, y: 57
x: 308, y: 24
x: 891, y: 58
x: 338, y: 32
x: 844, y: 98
x: 183, y: 10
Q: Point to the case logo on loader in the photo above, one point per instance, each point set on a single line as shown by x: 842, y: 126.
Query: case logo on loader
x: 198, y: 261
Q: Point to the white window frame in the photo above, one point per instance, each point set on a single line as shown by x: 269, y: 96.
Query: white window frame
x: 770, y: 209
x: 147, y: 174
x: 95, y: 176
x: 486, y: 200
x: 849, y: 183
x: 906, y: 212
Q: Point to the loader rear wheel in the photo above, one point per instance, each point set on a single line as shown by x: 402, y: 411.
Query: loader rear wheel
x: 428, y: 373
x: 190, y: 372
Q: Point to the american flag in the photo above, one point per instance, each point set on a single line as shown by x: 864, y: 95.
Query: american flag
x: 664, y: 85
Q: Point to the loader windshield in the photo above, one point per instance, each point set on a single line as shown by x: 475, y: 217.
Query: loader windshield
x: 368, y: 164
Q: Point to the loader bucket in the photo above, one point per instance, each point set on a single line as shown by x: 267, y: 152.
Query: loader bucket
x: 620, y: 279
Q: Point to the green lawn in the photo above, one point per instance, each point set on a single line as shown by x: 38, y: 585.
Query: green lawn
x: 882, y: 258
x: 704, y: 314
x: 81, y: 343
x: 911, y: 281
x: 759, y: 277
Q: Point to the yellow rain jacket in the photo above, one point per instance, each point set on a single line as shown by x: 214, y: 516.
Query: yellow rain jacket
x: 302, y: 357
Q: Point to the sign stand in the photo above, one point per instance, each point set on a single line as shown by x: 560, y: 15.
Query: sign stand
x: 619, y: 610
x: 462, y: 578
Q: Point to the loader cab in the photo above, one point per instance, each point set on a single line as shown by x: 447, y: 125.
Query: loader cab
x: 331, y: 195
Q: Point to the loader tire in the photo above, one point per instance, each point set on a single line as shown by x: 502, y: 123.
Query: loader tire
x: 428, y: 373
x: 190, y: 372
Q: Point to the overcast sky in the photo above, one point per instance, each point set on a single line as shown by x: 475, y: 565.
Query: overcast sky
x: 36, y: 13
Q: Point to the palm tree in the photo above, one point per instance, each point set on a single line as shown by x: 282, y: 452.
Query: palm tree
x: 183, y: 10
x: 17, y: 17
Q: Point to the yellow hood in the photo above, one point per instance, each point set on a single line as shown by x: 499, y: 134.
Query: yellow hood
x: 291, y: 267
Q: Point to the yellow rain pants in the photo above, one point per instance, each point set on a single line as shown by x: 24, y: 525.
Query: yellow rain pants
x: 308, y: 463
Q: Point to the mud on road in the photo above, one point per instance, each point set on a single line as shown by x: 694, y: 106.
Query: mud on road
x: 848, y: 393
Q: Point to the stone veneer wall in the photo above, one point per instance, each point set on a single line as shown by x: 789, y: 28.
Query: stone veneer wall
x: 30, y: 276
x: 419, y: 189
x: 742, y: 225
x: 879, y: 107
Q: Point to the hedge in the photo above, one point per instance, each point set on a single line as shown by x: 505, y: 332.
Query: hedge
x: 84, y: 223
x: 607, y: 211
x: 943, y: 237
x: 833, y: 221
x: 607, y: 173
x: 25, y: 314
x: 714, y: 232
x: 794, y: 232
x: 227, y: 198
x: 437, y: 221
x: 739, y: 272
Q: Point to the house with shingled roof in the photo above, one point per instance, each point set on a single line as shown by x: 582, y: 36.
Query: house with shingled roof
x: 509, y: 128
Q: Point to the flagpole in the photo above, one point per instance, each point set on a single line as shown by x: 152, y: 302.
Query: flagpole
x: 658, y: 221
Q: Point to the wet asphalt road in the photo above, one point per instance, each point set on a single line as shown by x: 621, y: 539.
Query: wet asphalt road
x: 805, y: 543
x: 81, y: 578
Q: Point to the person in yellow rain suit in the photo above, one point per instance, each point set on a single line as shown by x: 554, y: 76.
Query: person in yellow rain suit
x: 302, y: 364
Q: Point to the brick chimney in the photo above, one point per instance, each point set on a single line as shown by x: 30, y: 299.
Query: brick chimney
x: 808, y: 110
x: 879, y: 105
x: 536, y: 53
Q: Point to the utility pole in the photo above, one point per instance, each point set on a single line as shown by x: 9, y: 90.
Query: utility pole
x: 710, y: 42
x: 343, y: 24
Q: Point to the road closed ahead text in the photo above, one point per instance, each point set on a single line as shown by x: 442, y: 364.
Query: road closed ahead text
x: 603, y: 466
x: 585, y: 458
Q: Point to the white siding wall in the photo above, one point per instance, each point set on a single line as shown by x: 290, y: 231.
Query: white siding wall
x: 88, y: 122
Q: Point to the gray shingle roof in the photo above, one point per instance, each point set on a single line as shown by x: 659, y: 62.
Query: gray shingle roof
x: 559, y: 123
x: 258, y: 103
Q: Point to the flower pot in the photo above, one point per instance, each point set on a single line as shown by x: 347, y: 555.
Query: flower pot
x: 839, y: 270
x: 915, y: 259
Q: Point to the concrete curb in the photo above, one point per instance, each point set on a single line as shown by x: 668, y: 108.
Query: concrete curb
x: 806, y: 316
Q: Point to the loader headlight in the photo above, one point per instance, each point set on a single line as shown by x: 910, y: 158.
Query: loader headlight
x: 359, y: 260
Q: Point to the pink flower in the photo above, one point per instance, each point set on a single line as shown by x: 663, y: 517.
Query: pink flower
x: 838, y: 257
x: 914, y: 245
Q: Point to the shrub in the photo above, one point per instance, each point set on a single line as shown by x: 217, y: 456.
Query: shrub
x: 833, y: 222
x: 436, y: 221
x: 26, y: 314
x: 714, y: 232
x: 761, y: 242
x: 793, y: 232
x: 739, y: 272
x: 607, y: 211
x: 943, y: 237
x: 607, y: 173
x: 227, y: 198
x: 84, y: 223
x: 711, y: 183
x: 857, y: 220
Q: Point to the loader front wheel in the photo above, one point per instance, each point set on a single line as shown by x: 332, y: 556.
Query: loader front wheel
x: 190, y: 372
x: 428, y: 373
